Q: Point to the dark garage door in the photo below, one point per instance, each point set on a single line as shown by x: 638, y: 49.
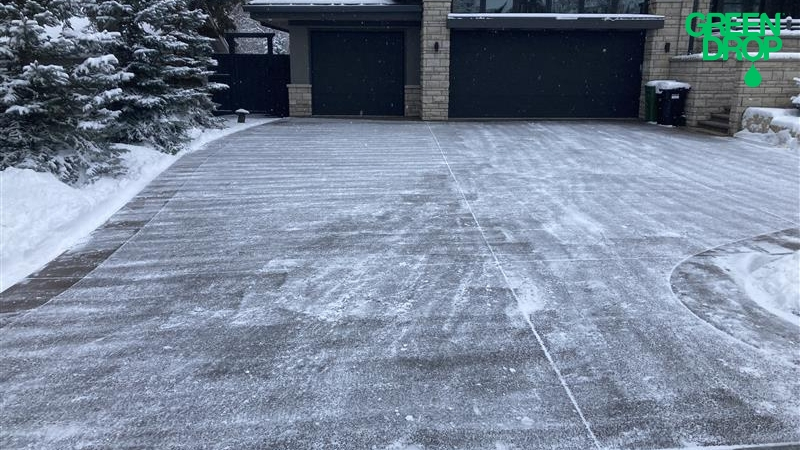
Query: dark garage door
x: 550, y: 73
x: 357, y: 73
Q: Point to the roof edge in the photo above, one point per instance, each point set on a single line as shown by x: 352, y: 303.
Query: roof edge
x: 524, y: 21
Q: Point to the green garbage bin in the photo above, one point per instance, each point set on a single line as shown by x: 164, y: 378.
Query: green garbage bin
x: 650, y: 107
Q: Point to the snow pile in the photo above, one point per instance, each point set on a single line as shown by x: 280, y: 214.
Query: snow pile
x: 774, y: 126
x: 782, y: 138
x: 789, y: 123
x: 772, y: 113
x: 772, y: 281
x: 796, y: 99
x: 41, y: 217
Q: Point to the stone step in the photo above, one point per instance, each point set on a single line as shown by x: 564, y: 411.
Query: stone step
x: 714, y: 124
x: 721, y: 116
x: 711, y: 131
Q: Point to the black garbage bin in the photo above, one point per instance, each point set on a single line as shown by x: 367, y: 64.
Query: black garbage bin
x: 672, y: 106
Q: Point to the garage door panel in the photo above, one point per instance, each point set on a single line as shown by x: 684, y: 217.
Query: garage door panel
x: 357, y: 73
x: 545, y: 73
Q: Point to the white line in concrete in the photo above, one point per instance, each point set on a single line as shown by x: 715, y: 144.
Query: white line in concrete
x: 514, y: 293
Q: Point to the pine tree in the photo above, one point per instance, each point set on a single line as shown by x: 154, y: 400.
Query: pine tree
x: 56, y: 90
x: 169, y: 93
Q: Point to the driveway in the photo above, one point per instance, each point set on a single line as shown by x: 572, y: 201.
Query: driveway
x: 335, y: 284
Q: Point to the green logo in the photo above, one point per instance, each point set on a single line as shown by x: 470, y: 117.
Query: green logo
x: 749, y: 36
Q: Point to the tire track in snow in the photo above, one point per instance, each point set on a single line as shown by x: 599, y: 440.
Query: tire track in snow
x: 526, y: 306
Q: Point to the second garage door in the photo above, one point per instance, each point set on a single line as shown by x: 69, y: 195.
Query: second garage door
x: 357, y: 73
x: 575, y: 73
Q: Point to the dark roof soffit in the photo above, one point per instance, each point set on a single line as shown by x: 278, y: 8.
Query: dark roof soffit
x: 555, y: 21
x: 332, y: 8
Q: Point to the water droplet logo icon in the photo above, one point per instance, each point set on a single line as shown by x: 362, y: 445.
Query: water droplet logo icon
x: 753, y: 77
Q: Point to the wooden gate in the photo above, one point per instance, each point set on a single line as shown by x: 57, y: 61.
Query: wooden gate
x: 256, y: 83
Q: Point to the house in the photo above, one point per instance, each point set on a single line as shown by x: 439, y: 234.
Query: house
x: 451, y: 59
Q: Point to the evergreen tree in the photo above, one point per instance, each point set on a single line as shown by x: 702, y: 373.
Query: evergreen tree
x: 169, y: 93
x: 220, y: 16
x: 56, y: 91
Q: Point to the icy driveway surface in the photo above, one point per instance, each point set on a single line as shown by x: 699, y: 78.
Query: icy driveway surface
x: 327, y: 284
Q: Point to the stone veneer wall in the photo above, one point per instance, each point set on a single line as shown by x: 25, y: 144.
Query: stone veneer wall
x: 299, y: 100
x: 656, y: 64
x: 719, y: 84
x: 413, y: 100
x: 656, y: 59
x: 712, y: 85
x: 777, y: 87
x: 435, y: 68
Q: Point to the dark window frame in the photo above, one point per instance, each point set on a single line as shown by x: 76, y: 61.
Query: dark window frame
x: 552, y: 6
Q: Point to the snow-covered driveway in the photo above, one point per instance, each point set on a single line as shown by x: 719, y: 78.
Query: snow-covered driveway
x: 335, y: 284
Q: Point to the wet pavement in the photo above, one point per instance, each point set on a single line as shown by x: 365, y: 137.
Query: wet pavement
x: 337, y: 284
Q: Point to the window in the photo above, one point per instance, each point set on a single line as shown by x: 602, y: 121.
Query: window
x: 783, y: 7
x: 549, y: 6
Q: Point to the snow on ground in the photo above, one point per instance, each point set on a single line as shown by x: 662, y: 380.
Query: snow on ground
x: 791, y: 123
x: 41, y: 217
x: 782, y: 138
x: 772, y: 281
x: 769, y: 112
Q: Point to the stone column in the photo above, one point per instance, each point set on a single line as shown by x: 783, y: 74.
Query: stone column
x: 656, y: 55
x: 299, y: 100
x: 435, y: 68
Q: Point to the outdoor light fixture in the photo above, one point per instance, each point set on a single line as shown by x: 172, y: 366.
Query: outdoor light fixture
x: 436, y: 46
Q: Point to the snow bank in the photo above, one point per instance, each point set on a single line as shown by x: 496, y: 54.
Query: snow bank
x: 790, y: 123
x: 774, y: 126
x: 772, y: 281
x: 769, y: 112
x: 41, y: 217
x: 781, y: 139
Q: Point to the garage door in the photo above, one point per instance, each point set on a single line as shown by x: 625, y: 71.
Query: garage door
x: 550, y: 73
x: 357, y: 73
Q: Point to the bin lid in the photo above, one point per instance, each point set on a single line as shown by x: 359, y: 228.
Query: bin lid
x: 662, y: 85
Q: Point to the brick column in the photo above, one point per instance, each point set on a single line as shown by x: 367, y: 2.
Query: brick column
x: 413, y: 101
x: 656, y: 59
x: 435, y: 68
x: 299, y: 100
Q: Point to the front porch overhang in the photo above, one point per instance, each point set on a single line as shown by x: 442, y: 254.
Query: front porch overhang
x: 536, y: 21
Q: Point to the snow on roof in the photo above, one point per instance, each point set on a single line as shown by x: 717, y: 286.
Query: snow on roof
x: 556, y: 16
x: 782, y: 56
